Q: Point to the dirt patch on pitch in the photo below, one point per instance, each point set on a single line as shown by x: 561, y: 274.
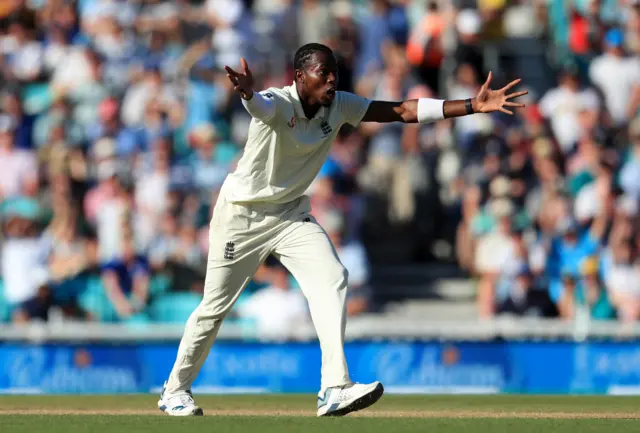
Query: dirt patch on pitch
x: 364, y: 414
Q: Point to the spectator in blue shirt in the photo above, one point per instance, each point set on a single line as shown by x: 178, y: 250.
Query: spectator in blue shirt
x: 212, y: 159
x: 376, y: 32
x: 12, y: 106
x: 569, y: 251
x: 126, y: 281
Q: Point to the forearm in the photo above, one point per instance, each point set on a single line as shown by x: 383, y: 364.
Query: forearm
x: 116, y: 296
x: 599, y: 225
x: 141, y: 290
x: 565, y: 307
x: 423, y: 110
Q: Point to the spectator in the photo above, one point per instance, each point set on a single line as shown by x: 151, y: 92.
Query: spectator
x: 70, y: 259
x: 562, y: 106
x: 162, y: 248
x: 18, y: 168
x: 468, y: 51
x: 387, y: 171
x: 622, y: 282
x: 57, y: 49
x: 212, y: 159
x: 24, y: 123
x: 152, y: 193
x: 118, y: 48
x: 588, y: 203
x: 126, y: 282
x: 353, y: 257
x: 231, y: 36
x: 425, y: 47
x: 377, y: 35
x: 127, y: 140
x: 24, y: 262
x: 138, y: 96
x: 568, y: 252
x: 586, y: 293
x: 58, y: 125
x: 345, y: 41
x: 314, y: 22
x: 106, y: 208
x: 25, y: 54
x: 493, y: 252
x: 525, y: 299
x: 277, y: 310
x: 615, y: 75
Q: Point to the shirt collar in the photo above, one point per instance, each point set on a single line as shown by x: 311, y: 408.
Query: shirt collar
x: 297, y: 105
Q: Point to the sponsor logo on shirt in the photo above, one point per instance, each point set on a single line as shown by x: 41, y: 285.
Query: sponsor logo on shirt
x: 292, y: 122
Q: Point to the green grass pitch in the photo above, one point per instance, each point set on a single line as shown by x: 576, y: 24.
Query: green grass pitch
x: 295, y: 413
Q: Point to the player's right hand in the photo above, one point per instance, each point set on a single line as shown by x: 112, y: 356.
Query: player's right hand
x: 242, y: 82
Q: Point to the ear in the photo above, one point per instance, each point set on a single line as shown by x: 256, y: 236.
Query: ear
x: 299, y: 75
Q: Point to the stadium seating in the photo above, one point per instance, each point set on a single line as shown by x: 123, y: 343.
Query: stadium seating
x: 5, y: 311
x: 173, y: 307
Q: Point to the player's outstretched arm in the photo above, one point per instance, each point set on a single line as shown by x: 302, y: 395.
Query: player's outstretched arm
x: 426, y: 110
x: 256, y: 105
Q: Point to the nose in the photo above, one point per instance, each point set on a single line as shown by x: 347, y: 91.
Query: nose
x: 332, y: 78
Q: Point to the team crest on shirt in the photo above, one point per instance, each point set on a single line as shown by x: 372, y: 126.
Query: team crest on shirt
x: 292, y: 123
x: 326, y: 128
x: 229, y: 250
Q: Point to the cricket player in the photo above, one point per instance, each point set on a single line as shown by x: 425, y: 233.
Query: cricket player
x: 261, y: 211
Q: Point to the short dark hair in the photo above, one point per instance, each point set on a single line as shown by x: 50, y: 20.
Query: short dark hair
x: 305, y: 52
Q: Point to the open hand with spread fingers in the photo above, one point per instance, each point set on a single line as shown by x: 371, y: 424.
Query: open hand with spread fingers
x: 242, y: 81
x: 489, y: 100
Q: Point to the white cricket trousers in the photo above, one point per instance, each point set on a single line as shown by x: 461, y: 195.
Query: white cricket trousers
x: 241, y: 237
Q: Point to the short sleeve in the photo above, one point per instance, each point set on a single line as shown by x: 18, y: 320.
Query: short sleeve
x: 595, y: 72
x: 264, y: 108
x: 589, y: 244
x: 112, y: 265
x: 141, y: 267
x: 352, y: 107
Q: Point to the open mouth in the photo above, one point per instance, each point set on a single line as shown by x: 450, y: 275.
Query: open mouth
x: 331, y: 93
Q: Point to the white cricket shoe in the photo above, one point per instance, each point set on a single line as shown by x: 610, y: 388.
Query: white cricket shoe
x: 339, y: 401
x: 181, y: 404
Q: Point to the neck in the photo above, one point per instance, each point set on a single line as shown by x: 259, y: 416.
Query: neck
x: 309, y: 107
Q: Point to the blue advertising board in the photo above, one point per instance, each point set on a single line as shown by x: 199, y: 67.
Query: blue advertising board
x: 417, y: 367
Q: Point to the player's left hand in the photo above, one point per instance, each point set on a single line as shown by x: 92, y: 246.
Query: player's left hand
x: 489, y: 100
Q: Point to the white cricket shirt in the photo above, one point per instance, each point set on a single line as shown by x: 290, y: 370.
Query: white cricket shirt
x: 285, y: 152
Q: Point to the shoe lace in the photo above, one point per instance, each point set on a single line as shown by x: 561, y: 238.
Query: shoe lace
x: 345, y: 392
x: 185, y: 399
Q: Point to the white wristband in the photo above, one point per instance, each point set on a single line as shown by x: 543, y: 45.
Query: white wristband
x: 430, y: 110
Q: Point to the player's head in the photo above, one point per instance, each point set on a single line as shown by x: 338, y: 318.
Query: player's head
x: 316, y: 71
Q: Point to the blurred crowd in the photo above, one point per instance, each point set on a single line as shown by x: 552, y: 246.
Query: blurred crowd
x: 118, y: 127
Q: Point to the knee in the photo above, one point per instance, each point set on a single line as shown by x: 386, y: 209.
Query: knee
x: 338, y: 275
